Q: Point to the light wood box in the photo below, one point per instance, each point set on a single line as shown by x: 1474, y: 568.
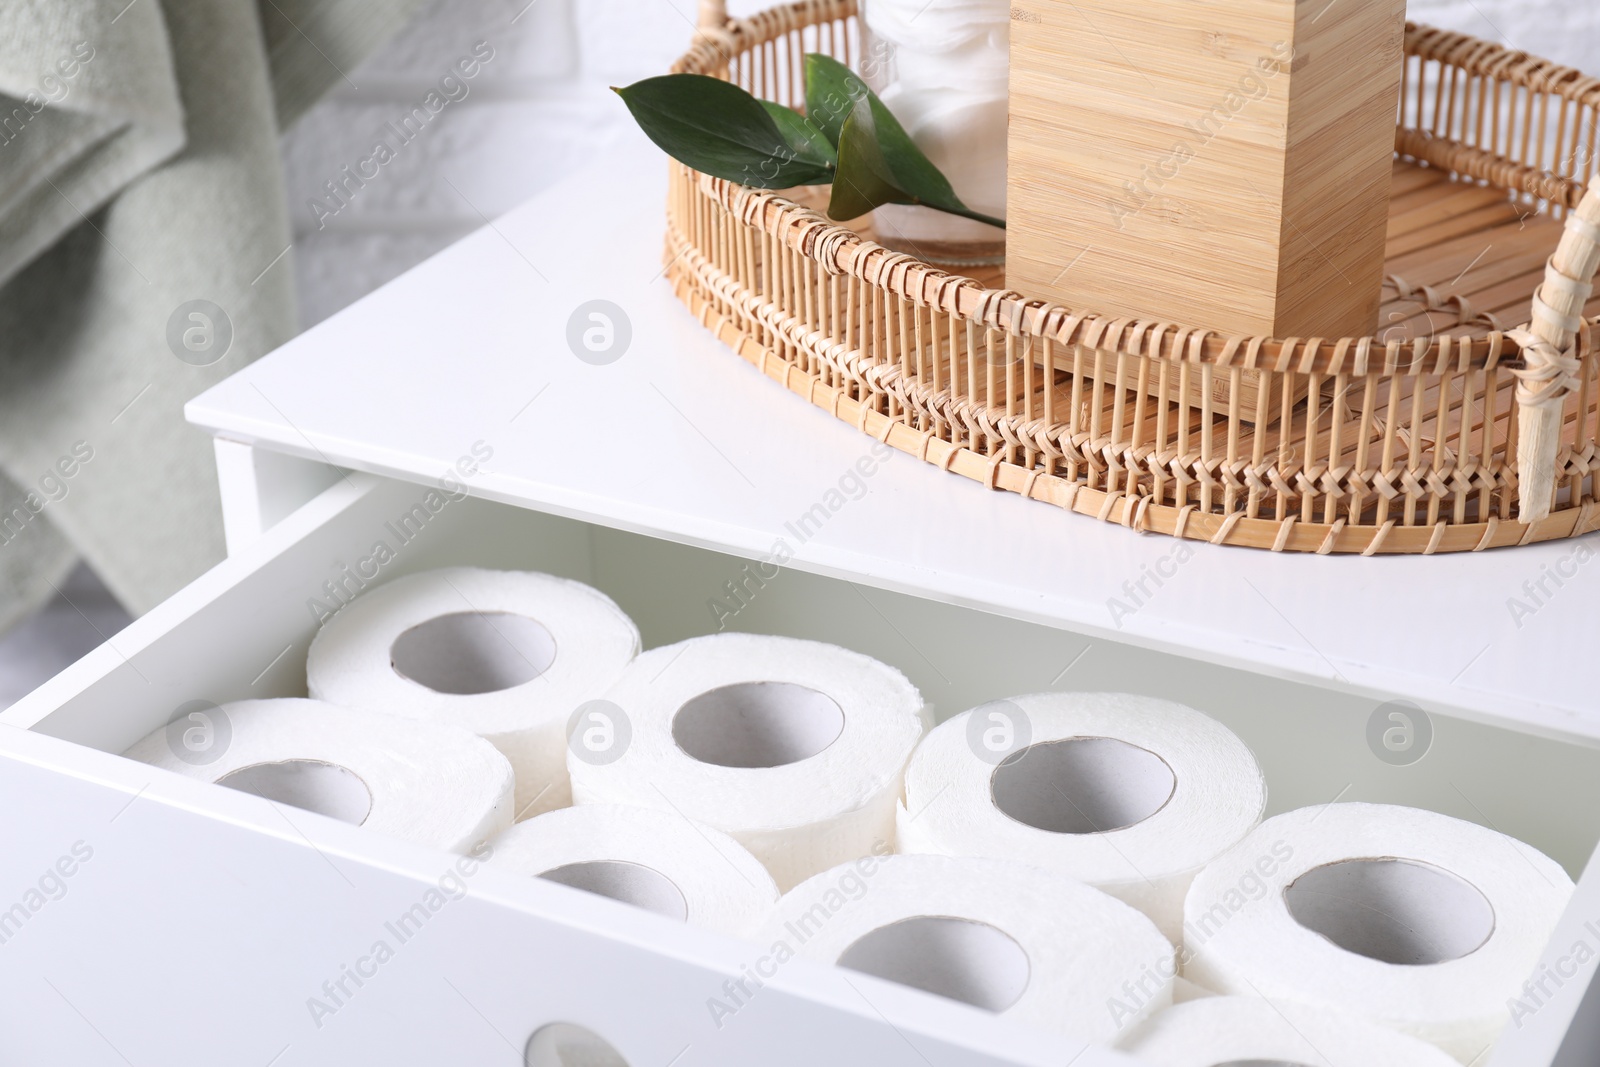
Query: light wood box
x: 1222, y: 165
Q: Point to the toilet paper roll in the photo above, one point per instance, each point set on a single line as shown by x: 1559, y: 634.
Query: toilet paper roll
x: 432, y: 784
x: 1235, y: 1030
x: 653, y: 859
x: 794, y: 748
x: 509, y: 655
x: 1129, y: 794
x: 1031, y: 945
x: 1407, y: 918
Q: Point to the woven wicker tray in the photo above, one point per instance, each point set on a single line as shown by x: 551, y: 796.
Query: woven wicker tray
x: 1411, y: 441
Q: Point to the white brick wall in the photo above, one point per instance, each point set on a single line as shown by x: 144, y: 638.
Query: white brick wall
x: 540, y: 107
x: 532, y: 115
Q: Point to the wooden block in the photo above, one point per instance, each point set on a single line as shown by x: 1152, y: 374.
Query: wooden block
x: 1218, y: 164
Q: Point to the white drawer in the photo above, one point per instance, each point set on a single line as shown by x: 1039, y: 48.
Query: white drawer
x: 198, y: 922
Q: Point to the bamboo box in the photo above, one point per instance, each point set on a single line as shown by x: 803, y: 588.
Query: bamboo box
x: 1217, y: 165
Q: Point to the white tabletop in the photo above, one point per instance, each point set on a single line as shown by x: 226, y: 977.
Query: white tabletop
x: 681, y: 439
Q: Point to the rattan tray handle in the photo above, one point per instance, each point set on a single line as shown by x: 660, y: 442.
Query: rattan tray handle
x: 1550, y: 354
x: 713, y: 14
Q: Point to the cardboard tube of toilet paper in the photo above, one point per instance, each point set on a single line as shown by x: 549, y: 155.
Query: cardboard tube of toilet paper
x: 1407, y: 918
x: 1222, y: 1030
x: 509, y: 655
x: 1130, y: 794
x: 433, y: 784
x: 655, y: 860
x: 794, y: 748
x: 1033, y: 946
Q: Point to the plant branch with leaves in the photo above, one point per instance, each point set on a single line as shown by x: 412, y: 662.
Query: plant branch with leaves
x: 846, y: 138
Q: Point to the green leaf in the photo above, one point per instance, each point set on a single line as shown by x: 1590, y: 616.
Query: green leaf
x: 847, y: 137
x: 832, y: 90
x: 863, y: 181
x: 911, y: 170
x: 880, y: 164
x: 808, y: 142
x: 719, y: 129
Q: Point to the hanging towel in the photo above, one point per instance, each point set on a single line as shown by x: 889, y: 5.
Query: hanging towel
x: 144, y: 256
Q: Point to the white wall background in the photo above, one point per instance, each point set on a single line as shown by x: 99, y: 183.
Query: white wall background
x: 535, y: 112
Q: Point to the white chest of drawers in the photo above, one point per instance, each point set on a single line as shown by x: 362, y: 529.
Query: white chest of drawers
x: 204, y: 922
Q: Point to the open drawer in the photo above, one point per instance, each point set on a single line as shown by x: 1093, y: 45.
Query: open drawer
x: 198, y: 923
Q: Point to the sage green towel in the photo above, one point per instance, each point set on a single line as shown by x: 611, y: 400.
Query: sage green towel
x: 139, y: 175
